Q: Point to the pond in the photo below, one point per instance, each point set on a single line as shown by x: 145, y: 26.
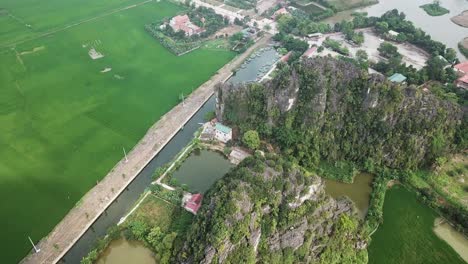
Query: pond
x: 122, y: 251
x: 407, y: 235
x: 441, y: 28
x: 359, y: 191
x: 201, y: 169
x: 256, y: 66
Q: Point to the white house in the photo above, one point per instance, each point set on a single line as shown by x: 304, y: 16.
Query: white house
x: 223, y: 133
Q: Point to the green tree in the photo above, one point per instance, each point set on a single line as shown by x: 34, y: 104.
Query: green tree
x: 251, y: 139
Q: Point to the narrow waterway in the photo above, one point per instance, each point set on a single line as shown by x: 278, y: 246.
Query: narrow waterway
x: 202, y: 169
x: 256, y: 66
x: 122, y: 251
x: 441, y: 28
x: 359, y: 191
x: 127, y: 199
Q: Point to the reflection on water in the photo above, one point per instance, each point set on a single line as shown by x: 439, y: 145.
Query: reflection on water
x: 201, y: 169
x: 125, y: 252
x: 454, y: 238
x: 441, y: 28
x: 359, y: 191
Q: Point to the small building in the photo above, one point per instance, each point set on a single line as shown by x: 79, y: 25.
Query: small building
x: 461, y: 68
x: 393, y: 33
x: 223, y: 133
x: 397, y: 78
x: 285, y: 58
x: 462, y: 82
x: 183, y: 23
x: 310, y: 52
x: 192, y: 202
x: 315, y: 35
x: 279, y: 12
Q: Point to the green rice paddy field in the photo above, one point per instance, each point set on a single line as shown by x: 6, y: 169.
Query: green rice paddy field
x: 407, y: 235
x: 63, y: 122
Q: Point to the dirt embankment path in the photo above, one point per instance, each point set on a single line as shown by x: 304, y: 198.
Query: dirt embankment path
x: 80, y: 218
x: 461, y: 19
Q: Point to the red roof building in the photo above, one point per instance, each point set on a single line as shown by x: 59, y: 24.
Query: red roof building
x: 193, y: 203
x: 461, y: 68
x: 285, y: 58
x: 183, y: 23
x: 310, y: 52
x: 462, y: 82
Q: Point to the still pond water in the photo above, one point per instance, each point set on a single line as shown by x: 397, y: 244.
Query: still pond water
x: 359, y: 191
x: 201, y: 170
x: 441, y: 28
x: 122, y: 251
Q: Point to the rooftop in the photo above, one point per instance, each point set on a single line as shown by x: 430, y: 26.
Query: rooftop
x: 193, y: 204
x: 223, y: 128
x: 397, y: 77
x: 463, y: 67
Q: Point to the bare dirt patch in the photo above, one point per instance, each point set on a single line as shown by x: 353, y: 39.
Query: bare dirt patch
x: 461, y: 19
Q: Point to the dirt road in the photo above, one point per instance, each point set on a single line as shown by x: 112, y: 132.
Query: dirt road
x: 80, y: 218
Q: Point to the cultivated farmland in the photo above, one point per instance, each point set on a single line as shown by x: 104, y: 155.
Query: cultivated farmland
x: 64, y: 117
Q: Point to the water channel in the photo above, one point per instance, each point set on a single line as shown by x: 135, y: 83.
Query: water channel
x: 441, y: 28
x: 359, y: 191
x: 122, y: 251
x: 127, y: 199
x: 201, y: 169
x: 256, y: 66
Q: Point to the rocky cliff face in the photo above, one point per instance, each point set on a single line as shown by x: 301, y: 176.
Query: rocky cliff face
x: 327, y: 108
x: 269, y: 211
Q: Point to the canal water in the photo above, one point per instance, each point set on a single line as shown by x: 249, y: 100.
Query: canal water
x: 256, y: 66
x: 127, y: 199
x: 359, y: 191
x: 201, y: 170
x: 122, y: 251
x: 441, y: 28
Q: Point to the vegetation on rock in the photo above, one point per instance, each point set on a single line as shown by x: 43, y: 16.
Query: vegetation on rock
x: 268, y: 210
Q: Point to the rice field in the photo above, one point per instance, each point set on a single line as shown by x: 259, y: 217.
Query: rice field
x: 407, y: 235
x: 65, y: 117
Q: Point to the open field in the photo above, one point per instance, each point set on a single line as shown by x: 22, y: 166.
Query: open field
x: 341, y: 5
x: 63, y: 122
x: 407, y: 235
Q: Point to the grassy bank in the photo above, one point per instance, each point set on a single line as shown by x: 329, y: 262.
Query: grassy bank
x: 406, y: 235
x: 63, y: 122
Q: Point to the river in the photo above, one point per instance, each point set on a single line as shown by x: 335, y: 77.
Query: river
x: 201, y: 169
x: 441, y: 28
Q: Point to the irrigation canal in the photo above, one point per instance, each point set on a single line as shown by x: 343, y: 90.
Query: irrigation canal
x: 127, y: 199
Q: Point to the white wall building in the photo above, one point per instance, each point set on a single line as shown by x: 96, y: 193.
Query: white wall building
x: 223, y: 133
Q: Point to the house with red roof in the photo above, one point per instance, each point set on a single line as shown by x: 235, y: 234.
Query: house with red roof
x: 462, y: 70
x: 285, y: 58
x: 183, y: 23
x: 310, y: 52
x: 192, y: 202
